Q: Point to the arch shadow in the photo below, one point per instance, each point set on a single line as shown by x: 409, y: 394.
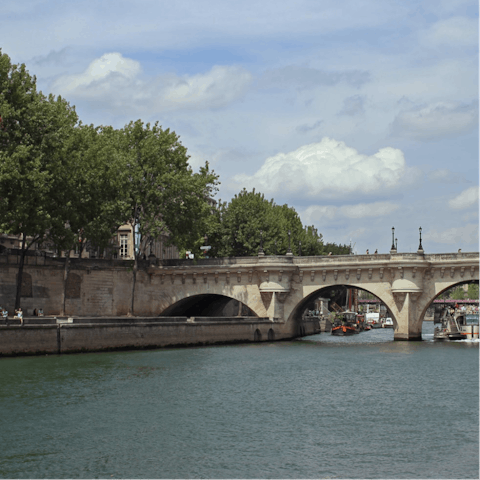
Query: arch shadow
x: 208, y: 305
x: 296, y: 314
x: 430, y: 302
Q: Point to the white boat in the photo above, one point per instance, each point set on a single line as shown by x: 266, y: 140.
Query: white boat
x: 456, y: 326
x: 373, y: 319
x: 387, y: 322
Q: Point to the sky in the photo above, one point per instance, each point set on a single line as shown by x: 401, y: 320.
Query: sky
x: 362, y: 115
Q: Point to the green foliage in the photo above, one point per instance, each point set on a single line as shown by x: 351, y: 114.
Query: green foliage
x: 164, y: 195
x: 473, y: 291
x: 33, y: 132
x: 457, y: 293
x: 236, y: 229
x: 88, y: 190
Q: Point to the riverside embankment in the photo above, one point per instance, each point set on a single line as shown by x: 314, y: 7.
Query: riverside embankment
x: 43, y: 335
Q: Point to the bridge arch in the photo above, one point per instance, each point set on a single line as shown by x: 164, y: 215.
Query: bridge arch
x: 208, y: 305
x: 296, y: 313
x: 439, y: 291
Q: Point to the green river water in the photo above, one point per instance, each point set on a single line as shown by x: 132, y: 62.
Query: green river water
x: 319, y: 407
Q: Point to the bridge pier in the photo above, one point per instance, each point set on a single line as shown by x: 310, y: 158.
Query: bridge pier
x: 408, y: 327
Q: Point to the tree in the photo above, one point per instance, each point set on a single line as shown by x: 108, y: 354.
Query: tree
x: 87, y: 194
x: 336, y: 249
x: 457, y: 293
x: 473, y: 291
x: 164, y: 195
x: 237, y: 228
x: 33, y: 133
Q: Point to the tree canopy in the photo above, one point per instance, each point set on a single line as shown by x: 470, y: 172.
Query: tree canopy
x: 73, y: 183
x: 34, y: 130
x: 236, y: 228
x: 164, y: 195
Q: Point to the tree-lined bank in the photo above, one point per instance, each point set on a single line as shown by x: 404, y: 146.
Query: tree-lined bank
x: 74, y: 185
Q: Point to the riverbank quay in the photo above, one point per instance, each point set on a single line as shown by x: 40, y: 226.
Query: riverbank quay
x: 279, y: 288
x: 60, y: 335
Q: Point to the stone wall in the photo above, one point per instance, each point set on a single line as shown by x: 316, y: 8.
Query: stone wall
x: 121, y: 334
x: 94, y: 288
x: 278, y: 288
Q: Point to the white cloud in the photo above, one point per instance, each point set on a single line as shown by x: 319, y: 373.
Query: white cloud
x: 466, y: 235
x: 105, y: 68
x: 444, y: 175
x: 114, y: 79
x: 329, y: 169
x: 466, y: 199
x: 220, y: 86
x: 441, y: 119
x: 317, y: 213
x: 362, y: 210
x: 302, y: 77
x: 453, y: 31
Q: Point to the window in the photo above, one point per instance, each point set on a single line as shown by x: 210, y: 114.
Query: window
x: 123, y: 245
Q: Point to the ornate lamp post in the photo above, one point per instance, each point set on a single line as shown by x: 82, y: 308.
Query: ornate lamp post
x: 206, y: 247
x: 420, y: 248
x: 289, y: 251
x: 261, y: 253
x: 396, y: 244
x: 393, y: 239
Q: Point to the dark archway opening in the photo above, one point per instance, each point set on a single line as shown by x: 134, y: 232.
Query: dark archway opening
x: 208, y: 305
x: 328, y: 302
x: 465, y: 295
x: 459, y: 299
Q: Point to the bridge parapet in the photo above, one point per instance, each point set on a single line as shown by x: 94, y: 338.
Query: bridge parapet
x: 326, y: 260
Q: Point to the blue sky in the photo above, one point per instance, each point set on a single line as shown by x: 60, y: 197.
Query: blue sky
x: 362, y: 115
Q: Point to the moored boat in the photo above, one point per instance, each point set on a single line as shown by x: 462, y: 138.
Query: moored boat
x: 456, y: 326
x: 345, y: 324
x: 373, y: 319
x: 387, y: 322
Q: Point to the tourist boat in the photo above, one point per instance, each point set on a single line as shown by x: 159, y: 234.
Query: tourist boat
x: 387, y: 322
x: 345, y: 324
x: 373, y: 319
x: 456, y: 326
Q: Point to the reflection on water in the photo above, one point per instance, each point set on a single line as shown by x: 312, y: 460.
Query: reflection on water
x: 362, y: 406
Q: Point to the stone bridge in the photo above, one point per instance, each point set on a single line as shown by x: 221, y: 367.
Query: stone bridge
x: 280, y: 287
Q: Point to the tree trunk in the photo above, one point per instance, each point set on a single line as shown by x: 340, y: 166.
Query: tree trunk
x: 134, y: 281
x: 135, y: 265
x: 20, y: 274
x: 65, y: 278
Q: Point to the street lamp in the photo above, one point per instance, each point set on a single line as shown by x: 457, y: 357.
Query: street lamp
x: 289, y: 251
x: 393, y: 237
x: 206, y: 247
x: 260, y: 250
x: 299, y: 248
x: 396, y: 244
x: 420, y: 245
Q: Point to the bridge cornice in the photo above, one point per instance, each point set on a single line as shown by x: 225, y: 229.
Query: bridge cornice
x: 338, y: 262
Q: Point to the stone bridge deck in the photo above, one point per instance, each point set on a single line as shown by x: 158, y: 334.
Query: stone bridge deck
x: 279, y: 287
x: 275, y: 287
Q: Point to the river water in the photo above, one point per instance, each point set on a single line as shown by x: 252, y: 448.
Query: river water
x: 320, y: 407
